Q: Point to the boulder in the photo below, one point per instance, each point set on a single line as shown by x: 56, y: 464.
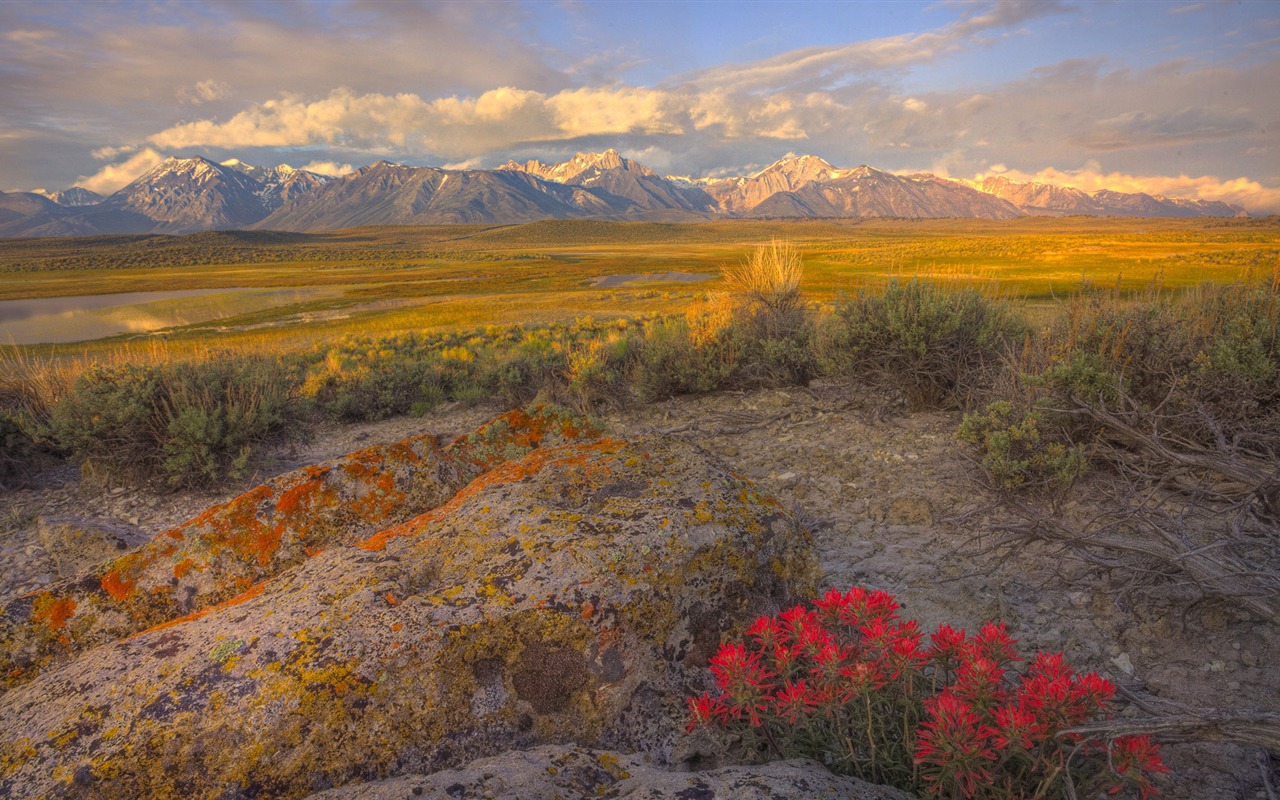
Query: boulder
x: 237, y: 545
x: 572, y: 591
x: 580, y: 773
x: 76, y: 544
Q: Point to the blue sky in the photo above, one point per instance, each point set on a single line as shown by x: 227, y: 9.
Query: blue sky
x: 1169, y: 97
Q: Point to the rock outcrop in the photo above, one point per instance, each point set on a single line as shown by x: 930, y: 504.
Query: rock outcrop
x: 548, y: 584
x: 234, y: 547
x: 577, y: 773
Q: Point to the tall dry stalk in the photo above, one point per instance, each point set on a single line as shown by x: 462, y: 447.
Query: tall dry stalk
x: 770, y: 277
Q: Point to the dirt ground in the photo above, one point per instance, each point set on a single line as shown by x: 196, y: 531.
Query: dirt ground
x: 894, y: 503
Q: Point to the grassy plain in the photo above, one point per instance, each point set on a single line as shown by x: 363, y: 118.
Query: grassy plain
x: 398, y: 279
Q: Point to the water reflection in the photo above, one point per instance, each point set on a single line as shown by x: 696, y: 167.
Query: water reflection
x: 75, y: 319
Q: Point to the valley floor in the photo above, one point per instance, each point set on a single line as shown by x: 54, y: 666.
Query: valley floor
x: 894, y: 504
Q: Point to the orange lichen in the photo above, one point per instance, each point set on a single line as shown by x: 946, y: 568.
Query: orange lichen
x: 118, y: 586
x: 53, y: 611
x: 392, y: 600
x: 253, y: 592
x: 508, y: 472
x: 183, y: 567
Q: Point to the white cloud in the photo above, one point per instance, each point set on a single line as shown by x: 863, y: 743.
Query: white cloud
x: 114, y: 176
x: 204, y: 92
x: 23, y: 35
x: 328, y: 168
x: 108, y: 153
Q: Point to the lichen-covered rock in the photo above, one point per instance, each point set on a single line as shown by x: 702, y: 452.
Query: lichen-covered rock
x: 232, y: 547
x: 75, y: 544
x: 579, y: 773
x: 567, y: 593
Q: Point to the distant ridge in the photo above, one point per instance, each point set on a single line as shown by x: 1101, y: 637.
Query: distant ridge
x: 184, y: 195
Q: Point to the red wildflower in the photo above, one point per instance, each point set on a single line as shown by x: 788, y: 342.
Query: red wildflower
x: 1133, y: 759
x: 743, y: 680
x: 1097, y: 691
x: 862, y: 676
x: 994, y: 642
x: 978, y: 681
x: 1017, y: 727
x: 947, y: 643
x: 793, y: 701
x: 767, y: 633
x: 954, y: 747
x: 705, y: 709
x: 795, y: 620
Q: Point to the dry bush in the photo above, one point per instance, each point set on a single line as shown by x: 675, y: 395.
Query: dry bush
x: 773, y: 325
x: 1177, y: 398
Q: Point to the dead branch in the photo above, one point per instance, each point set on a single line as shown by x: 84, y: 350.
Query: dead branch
x: 1258, y: 728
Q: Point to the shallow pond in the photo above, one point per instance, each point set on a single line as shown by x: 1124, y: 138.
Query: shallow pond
x: 75, y: 319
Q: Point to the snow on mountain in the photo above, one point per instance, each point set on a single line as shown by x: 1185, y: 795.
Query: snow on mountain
x: 194, y: 194
x: 1044, y: 199
x: 75, y: 196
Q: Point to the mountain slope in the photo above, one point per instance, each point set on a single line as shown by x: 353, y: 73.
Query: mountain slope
x: 810, y: 187
x: 626, y: 185
x: 1045, y: 199
x: 75, y: 196
x: 394, y: 194
x: 278, y: 184
x: 183, y: 195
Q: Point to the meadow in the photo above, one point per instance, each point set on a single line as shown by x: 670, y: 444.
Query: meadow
x: 396, y: 320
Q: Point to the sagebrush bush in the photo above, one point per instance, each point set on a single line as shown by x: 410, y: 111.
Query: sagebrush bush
x: 933, y: 343
x: 19, y: 453
x: 1017, y: 453
x: 192, y: 424
x: 672, y: 359
x: 1202, y: 367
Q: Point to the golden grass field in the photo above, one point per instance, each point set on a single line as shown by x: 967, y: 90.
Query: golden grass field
x: 388, y: 280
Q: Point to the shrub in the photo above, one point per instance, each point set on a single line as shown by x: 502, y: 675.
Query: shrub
x: 935, y: 344
x: 19, y: 453
x: 674, y: 358
x: 190, y: 424
x: 596, y: 372
x: 1016, y: 454
x: 772, y: 323
x: 848, y: 684
x: 1203, y: 367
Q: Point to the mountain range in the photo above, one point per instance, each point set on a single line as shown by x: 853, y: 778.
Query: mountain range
x: 196, y: 194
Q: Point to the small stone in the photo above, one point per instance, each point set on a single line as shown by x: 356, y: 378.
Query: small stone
x: 1248, y: 658
x: 1123, y: 663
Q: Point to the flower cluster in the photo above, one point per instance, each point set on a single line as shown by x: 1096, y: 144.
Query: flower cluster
x: 850, y: 684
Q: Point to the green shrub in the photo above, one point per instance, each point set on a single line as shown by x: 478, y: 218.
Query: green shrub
x: 672, y: 360
x: 190, y: 424
x: 1203, y: 367
x: 1016, y: 453
x: 936, y: 345
x: 19, y: 453
x: 110, y: 418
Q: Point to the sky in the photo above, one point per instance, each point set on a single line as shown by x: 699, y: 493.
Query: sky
x: 1177, y: 98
